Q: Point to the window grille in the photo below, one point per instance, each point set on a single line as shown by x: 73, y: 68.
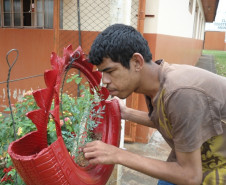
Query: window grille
x: 26, y: 13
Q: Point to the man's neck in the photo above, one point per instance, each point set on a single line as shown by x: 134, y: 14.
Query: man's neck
x: 149, y: 83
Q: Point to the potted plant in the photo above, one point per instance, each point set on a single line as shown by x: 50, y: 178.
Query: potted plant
x: 56, y: 139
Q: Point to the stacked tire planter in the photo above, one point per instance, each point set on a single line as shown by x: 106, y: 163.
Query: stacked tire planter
x: 41, y: 164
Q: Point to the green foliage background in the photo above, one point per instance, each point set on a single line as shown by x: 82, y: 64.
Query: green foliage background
x: 220, y: 60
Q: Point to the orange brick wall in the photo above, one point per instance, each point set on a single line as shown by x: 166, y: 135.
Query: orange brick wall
x: 173, y: 50
x: 214, y: 40
x: 35, y: 47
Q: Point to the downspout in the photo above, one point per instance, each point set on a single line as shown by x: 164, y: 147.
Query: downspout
x: 135, y: 97
x: 141, y: 16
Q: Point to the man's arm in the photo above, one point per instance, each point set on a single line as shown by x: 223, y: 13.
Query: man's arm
x: 187, y: 170
x: 135, y: 116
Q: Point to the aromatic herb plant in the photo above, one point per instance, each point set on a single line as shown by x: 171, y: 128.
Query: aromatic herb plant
x: 78, y: 119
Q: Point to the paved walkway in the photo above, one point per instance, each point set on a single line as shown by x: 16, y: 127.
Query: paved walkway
x: 207, y: 62
x: 156, y: 147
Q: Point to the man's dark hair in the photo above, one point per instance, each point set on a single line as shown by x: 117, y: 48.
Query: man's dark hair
x: 119, y: 42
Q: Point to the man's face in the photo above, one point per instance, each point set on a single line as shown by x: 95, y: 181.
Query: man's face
x: 119, y: 81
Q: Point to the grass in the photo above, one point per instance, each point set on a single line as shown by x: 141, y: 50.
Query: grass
x: 220, y: 60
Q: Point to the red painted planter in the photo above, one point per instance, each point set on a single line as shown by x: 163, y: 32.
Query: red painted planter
x: 40, y: 164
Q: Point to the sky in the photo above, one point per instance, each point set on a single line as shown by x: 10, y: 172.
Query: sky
x: 221, y: 11
x: 220, y: 20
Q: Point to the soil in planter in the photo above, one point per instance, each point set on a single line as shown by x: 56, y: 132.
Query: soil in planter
x: 81, y: 160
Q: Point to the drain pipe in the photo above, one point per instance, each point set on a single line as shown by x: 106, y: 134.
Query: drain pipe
x: 141, y: 16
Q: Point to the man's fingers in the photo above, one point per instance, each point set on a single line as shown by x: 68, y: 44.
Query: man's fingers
x: 88, y: 149
x: 94, y: 161
x: 89, y: 155
x: 98, y: 152
x: 90, y: 144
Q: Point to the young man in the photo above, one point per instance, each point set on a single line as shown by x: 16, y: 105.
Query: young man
x: 186, y: 104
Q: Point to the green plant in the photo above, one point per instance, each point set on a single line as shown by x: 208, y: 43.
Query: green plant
x: 23, y: 126
x: 220, y: 60
x: 81, y: 119
x: 78, y: 119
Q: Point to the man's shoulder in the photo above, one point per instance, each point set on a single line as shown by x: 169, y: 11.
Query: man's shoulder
x: 177, y: 76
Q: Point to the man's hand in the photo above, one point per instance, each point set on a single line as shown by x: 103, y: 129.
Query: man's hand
x: 98, y: 152
x: 186, y: 171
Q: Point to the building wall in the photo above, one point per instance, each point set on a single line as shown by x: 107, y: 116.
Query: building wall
x: 170, y: 35
x: 214, y: 40
x: 172, y: 49
x: 71, y: 37
x: 177, y: 26
x: 174, y: 34
x: 174, y: 18
x: 35, y: 47
x: 178, y: 50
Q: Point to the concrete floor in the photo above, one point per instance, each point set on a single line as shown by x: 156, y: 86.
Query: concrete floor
x: 156, y: 148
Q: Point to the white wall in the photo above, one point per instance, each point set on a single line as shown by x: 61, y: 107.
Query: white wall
x: 96, y: 15
x: 151, y: 23
x: 172, y: 17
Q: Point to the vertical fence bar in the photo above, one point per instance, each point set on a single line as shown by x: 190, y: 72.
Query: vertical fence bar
x: 79, y: 23
x: 56, y: 25
x: 141, y: 16
x: 80, y: 40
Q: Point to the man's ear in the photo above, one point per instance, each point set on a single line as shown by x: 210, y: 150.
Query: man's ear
x: 137, y: 61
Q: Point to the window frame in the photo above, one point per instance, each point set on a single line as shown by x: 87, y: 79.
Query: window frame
x: 34, y: 20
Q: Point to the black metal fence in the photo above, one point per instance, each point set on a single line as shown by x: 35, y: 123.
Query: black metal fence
x: 82, y: 20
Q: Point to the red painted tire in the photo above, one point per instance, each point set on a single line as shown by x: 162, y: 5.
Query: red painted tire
x: 40, y: 164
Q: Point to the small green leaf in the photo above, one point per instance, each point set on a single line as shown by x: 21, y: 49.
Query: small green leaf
x: 78, y: 80
x: 69, y: 80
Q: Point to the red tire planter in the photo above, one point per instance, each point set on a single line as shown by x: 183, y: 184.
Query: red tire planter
x: 40, y: 164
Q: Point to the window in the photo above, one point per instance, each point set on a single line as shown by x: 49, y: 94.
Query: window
x: 26, y: 13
